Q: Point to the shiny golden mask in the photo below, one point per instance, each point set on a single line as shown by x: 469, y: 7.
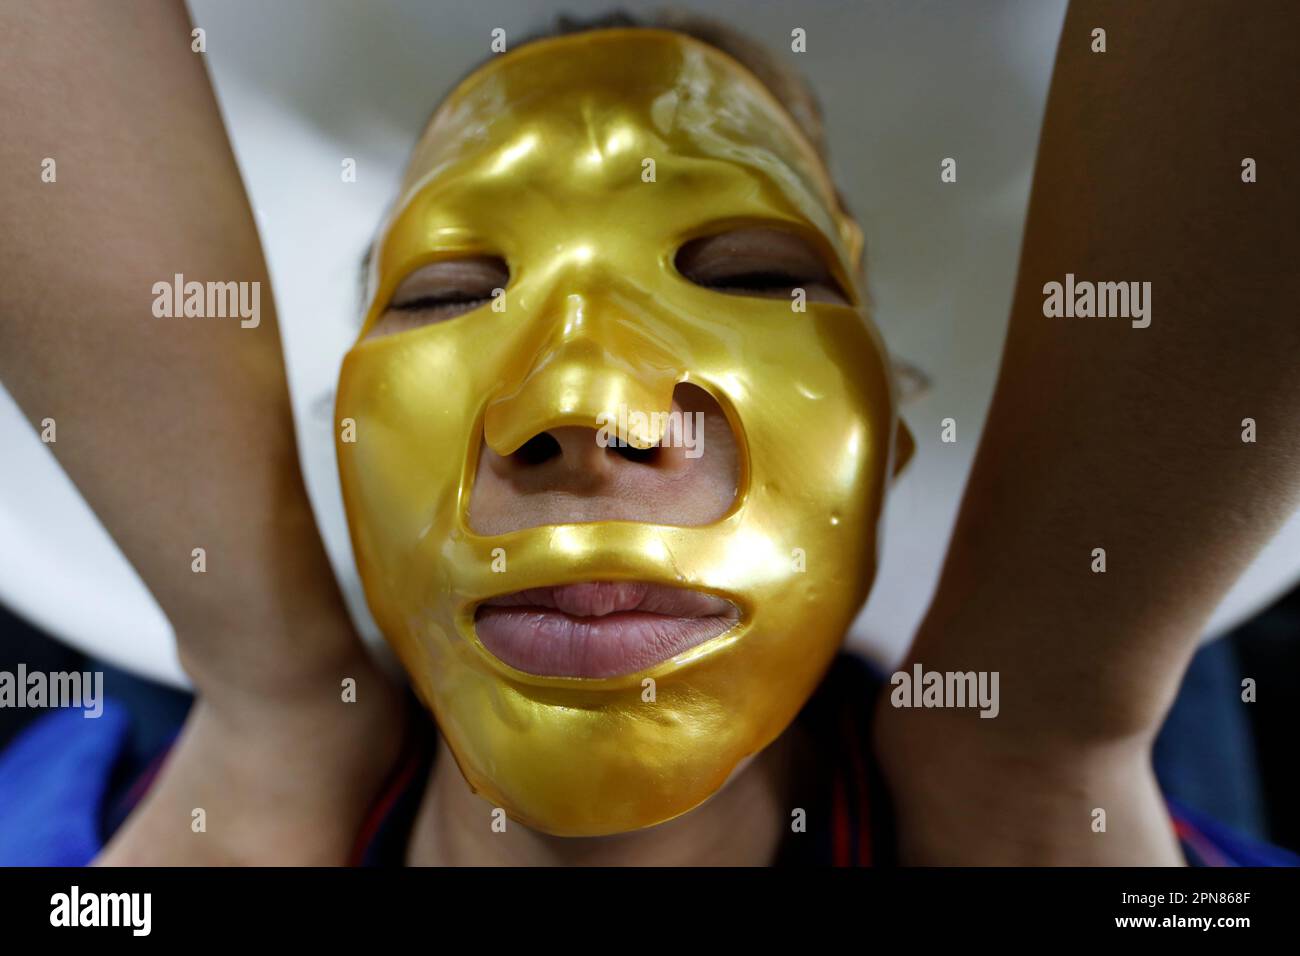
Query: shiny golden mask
x: 540, y: 158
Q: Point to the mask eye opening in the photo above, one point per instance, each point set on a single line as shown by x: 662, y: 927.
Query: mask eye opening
x: 442, y: 289
x: 760, y: 261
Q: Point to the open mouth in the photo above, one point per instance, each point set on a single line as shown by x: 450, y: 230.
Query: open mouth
x: 599, y: 628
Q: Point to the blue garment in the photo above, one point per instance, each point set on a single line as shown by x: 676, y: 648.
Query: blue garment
x: 1208, y: 727
x: 55, y: 778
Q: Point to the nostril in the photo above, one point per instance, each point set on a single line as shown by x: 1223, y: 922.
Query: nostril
x: 538, y: 449
x: 640, y: 456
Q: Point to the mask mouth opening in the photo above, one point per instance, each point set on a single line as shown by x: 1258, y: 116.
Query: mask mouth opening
x: 599, y: 629
x: 691, y: 477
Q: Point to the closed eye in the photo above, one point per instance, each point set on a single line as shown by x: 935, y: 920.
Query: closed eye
x: 440, y: 291
x: 761, y: 262
x: 753, y: 282
x: 451, y: 301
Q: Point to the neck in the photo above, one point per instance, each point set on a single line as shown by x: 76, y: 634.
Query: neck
x: 740, y: 825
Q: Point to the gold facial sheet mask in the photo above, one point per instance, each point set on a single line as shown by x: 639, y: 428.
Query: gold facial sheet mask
x: 541, y: 158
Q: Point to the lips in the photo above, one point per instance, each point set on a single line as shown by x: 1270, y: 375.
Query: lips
x: 598, y: 628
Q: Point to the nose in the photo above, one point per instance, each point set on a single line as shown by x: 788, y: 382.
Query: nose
x: 581, y: 381
x: 572, y: 474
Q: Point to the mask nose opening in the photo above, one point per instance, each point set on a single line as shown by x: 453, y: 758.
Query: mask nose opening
x: 572, y: 474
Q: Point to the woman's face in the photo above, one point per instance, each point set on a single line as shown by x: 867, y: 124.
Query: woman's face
x: 622, y: 429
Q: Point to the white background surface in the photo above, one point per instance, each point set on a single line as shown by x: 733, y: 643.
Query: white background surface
x: 305, y: 83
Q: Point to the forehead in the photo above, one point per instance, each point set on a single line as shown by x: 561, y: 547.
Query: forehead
x: 584, y: 116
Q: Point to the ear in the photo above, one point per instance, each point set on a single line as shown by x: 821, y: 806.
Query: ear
x: 904, y: 446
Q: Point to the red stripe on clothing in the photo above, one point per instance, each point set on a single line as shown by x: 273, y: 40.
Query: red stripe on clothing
x: 383, y: 804
x: 840, y: 823
x: 864, y: 792
x: 1209, y: 853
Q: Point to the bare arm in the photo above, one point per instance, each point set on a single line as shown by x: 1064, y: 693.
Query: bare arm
x: 177, y: 430
x: 1103, y: 435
